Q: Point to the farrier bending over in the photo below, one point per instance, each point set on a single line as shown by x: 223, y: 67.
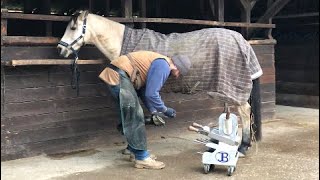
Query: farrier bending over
x: 146, y: 72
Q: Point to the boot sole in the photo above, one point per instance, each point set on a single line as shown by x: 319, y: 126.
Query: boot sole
x: 140, y: 166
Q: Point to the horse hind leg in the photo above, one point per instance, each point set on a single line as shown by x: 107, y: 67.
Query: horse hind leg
x: 244, y: 113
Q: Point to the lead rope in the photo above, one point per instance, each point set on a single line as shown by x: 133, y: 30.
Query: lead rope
x: 75, y: 73
x: 3, y: 90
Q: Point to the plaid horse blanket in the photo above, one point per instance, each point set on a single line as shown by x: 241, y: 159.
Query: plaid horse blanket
x: 223, y: 62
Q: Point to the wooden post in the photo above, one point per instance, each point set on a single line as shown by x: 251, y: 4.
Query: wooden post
x: 46, y: 9
x: 269, y: 31
x: 91, y: 5
x: 126, y: 8
x: 143, y: 11
x: 220, y: 10
x: 4, y: 24
x: 247, y: 6
x: 107, y: 8
x: 217, y: 9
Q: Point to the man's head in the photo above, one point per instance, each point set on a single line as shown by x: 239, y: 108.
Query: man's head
x: 182, y: 63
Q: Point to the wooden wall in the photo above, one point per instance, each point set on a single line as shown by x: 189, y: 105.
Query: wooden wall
x: 297, y: 74
x: 41, y: 113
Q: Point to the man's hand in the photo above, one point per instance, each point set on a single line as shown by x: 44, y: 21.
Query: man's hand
x: 171, y: 113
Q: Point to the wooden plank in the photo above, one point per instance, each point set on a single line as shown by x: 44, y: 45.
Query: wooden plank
x: 67, y: 129
x: 45, y: 52
x: 47, y: 70
x: 263, y: 49
x: 140, y: 20
x: 40, y: 121
x: 268, y: 97
x: 298, y: 76
x: 59, y: 105
x: 268, y: 71
x: 27, y: 40
x: 300, y: 15
x: 34, y: 17
x: 28, y: 62
x: 54, y: 93
x: 202, y: 22
x: 48, y: 80
x: 299, y: 88
x: 265, y: 79
x: 268, y: 87
x: 298, y: 100
x: 266, y: 60
x: 264, y: 41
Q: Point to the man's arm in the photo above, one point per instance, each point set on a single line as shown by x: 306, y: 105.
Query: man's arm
x: 157, y: 75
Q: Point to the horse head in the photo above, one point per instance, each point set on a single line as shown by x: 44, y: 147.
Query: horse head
x: 74, y: 36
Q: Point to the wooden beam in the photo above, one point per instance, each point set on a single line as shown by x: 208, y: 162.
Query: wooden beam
x: 34, y: 17
x: 312, y: 14
x: 28, y: 40
x: 220, y: 10
x: 247, y: 6
x: 265, y: 41
x: 130, y: 20
x: 29, y: 62
x: 271, y: 12
x: 202, y: 22
x: 269, y: 31
x: 143, y: 11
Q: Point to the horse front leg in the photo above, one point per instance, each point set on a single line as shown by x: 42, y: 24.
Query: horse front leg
x: 244, y: 113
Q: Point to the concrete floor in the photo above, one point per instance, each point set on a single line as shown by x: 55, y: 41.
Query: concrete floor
x: 289, y: 150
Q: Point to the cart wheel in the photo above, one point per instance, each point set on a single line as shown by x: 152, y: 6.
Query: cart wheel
x: 231, y: 169
x: 206, y: 168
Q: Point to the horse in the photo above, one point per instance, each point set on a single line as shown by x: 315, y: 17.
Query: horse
x: 223, y: 62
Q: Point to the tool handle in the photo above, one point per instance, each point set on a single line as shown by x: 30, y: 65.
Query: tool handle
x: 191, y: 128
x: 197, y: 125
x: 211, y: 125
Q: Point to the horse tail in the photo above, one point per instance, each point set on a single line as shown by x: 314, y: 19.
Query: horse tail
x: 255, y: 102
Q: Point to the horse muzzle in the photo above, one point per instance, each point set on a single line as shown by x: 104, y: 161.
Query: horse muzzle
x: 63, y: 51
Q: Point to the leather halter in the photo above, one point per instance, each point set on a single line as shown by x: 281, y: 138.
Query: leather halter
x: 69, y: 46
x: 74, y: 65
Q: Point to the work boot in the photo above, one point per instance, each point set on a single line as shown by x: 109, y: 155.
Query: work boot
x: 132, y: 157
x: 149, y: 163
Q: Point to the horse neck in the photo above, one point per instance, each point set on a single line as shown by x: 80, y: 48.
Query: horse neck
x: 106, y: 35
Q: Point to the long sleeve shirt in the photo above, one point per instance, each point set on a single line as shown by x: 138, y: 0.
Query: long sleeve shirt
x: 158, y: 73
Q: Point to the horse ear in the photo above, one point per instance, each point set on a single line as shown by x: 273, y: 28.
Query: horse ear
x: 83, y: 15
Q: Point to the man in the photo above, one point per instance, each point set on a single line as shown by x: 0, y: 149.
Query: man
x: 144, y: 72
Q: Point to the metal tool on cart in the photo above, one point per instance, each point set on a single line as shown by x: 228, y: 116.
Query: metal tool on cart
x: 223, y: 143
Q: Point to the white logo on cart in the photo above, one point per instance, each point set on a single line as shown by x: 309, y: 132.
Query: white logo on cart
x: 222, y: 157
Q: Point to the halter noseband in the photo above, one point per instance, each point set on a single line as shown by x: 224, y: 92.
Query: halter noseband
x: 69, y: 46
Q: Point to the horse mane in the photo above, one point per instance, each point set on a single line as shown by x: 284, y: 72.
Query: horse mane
x: 75, y: 15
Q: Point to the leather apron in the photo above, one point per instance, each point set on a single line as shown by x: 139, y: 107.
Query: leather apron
x: 132, y: 117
